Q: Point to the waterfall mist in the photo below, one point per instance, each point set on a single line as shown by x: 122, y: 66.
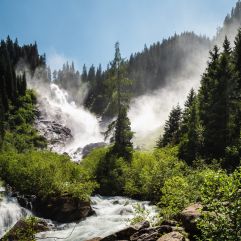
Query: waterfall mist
x: 149, y: 112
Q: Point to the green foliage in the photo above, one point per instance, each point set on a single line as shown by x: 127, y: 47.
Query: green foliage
x: 142, y: 177
x: 25, y: 233
x: 121, y: 126
x: 20, y: 135
x: 141, y: 214
x: 175, y: 196
x: 147, y: 172
x: 91, y: 162
x: 123, y: 146
x: 221, y: 197
x: 44, y: 174
x: 172, y: 128
x: 13, y: 87
x: 191, y: 140
x: 210, y: 125
x: 179, y: 191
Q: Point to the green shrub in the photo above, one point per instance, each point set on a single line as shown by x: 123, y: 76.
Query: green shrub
x: 26, y: 232
x: 91, y: 162
x: 45, y: 173
x: 176, y: 195
x: 221, y: 197
x: 146, y: 174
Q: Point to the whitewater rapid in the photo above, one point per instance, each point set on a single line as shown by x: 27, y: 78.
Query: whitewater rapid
x: 10, y: 212
x: 112, y: 215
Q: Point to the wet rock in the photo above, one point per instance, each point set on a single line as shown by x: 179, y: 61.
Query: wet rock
x: 62, y: 209
x: 142, y: 225
x: 123, y: 234
x: 94, y: 239
x: 90, y: 147
x: 55, y: 133
x: 25, y: 200
x: 169, y: 222
x: 149, y: 234
x: 172, y: 236
x: 188, y: 218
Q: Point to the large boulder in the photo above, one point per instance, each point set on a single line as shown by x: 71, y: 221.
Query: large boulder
x: 151, y: 234
x: 63, y: 208
x: 189, y: 216
x: 123, y: 234
x: 172, y: 236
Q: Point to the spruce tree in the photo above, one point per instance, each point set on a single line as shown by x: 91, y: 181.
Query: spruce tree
x: 233, y: 150
x: 172, y: 126
x: 206, y: 101
x: 3, y: 94
x: 186, y: 112
x: 190, y: 145
x: 1, y: 121
x: 122, y: 131
x: 84, y: 74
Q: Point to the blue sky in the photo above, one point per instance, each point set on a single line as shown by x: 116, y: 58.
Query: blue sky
x: 85, y: 30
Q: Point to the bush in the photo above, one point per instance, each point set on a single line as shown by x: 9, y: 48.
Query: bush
x: 221, y: 197
x: 176, y: 195
x: 45, y: 173
x: 25, y: 232
x: 146, y: 174
x: 91, y: 162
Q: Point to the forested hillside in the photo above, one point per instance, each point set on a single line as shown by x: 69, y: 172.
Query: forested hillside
x: 13, y: 85
x: 230, y: 25
x: 155, y: 67
x: 209, y: 126
x: 159, y: 65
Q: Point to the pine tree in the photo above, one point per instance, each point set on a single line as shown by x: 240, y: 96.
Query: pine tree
x: 1, y: 121
x: 233, y: 150
x: 84, y: 74
x: 172, y: 126
x: 123, y: 146
x: 122, y: 131
x: 3, y: 94
x: 190, y: 145
x: 207, y: 101
x: 187, y: 109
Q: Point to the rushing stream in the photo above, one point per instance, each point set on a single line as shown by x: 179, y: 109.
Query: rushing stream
x: 112, y: 214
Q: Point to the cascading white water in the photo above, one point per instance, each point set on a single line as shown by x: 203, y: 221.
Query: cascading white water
x: 84, y: 125
x: 55, y: 103
x: 112, y: 214
x: 10, y: 213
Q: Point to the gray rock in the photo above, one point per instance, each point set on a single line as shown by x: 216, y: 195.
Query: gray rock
x: 172, y: 236
x: 90, y: 147
x: 189, y: 216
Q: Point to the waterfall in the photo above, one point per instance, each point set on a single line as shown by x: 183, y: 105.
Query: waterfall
x: 10, y: 213
x: 56, y: 106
